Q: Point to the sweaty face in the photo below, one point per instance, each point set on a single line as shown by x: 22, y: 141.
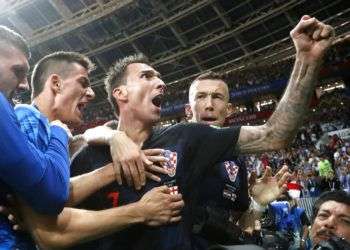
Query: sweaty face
x: 333, y: 218
x: 13, y: 71
x: 145, y: 92
x: 74, y: 94
x: 209, y: 102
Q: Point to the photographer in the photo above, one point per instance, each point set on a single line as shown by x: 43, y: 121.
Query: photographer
x: 330, y: 227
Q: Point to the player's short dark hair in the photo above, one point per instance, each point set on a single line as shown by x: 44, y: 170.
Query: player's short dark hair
x: 211, y: 75
x: 337, y: 196
x: 9, y: 37
x: 56, y: 63
x: 116, y: 75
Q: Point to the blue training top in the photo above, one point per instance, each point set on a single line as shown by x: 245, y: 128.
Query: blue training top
x: 30, y: 171
x: 37, y: 171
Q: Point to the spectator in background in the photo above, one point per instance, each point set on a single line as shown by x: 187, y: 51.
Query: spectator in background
x: 331, y: 220
x: 313, y: 184
x: 294, y: 186
x: 291, y: 221
x: 344, y: 175
x: 325, y: 168
x: 326, y: 173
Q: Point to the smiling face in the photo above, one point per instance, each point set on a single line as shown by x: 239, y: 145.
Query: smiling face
x: 333, y: 218
x: 145, y: 92
x: 14, y: 68
x: 73, y: 95
x: 209, y: 102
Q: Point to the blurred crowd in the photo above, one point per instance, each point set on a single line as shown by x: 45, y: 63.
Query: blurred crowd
x: 237, y: 80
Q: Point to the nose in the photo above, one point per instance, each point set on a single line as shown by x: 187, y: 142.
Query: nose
x: 161, y: 86
x: 90, y: 93
x: 330, y: 223
x: 209, y: 103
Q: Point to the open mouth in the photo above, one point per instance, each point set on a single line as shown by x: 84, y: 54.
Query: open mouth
x: 208, y: 119
x: 81, y: 107
x: 157, y: 100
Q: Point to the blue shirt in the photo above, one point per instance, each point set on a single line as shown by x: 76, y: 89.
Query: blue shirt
x: 35, y: 125
x: 287, y: 219
x: 39, y: 176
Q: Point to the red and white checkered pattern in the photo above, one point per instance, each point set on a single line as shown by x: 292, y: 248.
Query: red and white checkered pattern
x: 232, y: 170
x: 170, y: 165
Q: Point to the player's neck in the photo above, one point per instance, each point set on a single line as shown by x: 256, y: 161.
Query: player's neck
x: 135, y: 129
x: 44, y: 106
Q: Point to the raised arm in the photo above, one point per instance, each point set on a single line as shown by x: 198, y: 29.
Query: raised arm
x: 311, y: 39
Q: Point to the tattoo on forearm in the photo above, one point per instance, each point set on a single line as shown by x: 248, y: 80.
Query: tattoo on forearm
x: 294, y: 104
x: 283, y: 124
x: 290, y: 112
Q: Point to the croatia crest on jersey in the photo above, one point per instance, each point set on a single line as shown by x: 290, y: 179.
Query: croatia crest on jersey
x: 231, y: 169
x: 170, y: 165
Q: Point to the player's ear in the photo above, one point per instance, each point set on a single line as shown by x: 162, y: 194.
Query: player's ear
x: 120, y: 93
x: 55, y: 83
x: 229, y: 110
x: 188, y: 111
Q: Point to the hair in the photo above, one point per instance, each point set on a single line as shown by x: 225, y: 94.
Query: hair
x: 113, y: 124
x: 9, y: 37
x: 285, y: 196
x: 117, y: 73
x: 339, y: 196
x: 209, y: 75
x: 59, y: 63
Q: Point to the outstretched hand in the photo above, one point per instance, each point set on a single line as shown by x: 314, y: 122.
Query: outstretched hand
x: 268, y: 188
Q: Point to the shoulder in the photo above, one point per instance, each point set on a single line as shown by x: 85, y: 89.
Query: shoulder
x: 26, y: 108
x: 25, y: 111
x: 177, y: 128
x: 200, y: 127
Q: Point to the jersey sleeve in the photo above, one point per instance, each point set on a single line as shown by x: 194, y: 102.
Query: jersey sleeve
x: 41, y: 179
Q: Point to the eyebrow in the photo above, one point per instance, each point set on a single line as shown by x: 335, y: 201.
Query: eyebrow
x: 328, y: 212
x: 153, y: 72
x: 85, y: 81
x: 211, y: 93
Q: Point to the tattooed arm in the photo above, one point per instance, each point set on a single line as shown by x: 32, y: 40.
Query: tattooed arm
x: 311, y: 38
